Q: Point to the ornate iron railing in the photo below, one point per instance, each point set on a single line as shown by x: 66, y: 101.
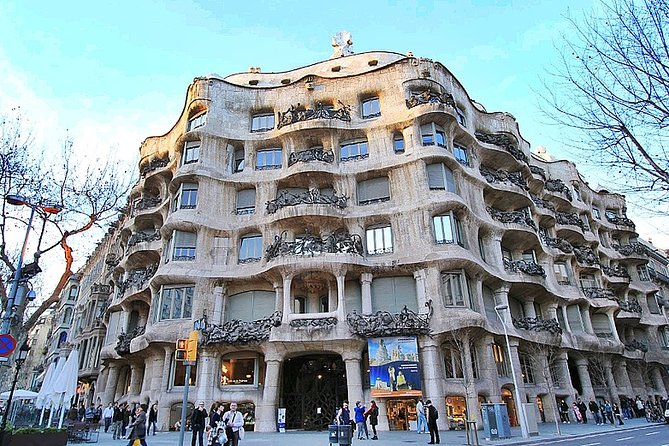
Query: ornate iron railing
x: 536, y: 324
x: 505, y: 141
x: 137, y: 278
x: 312, y: 196
x: 599, y: 293
x: 570, y: 219
x: 294, y: 114
x: 554, y: 185
x: 631, y: 306
x: 538, y: 171
x: 502, y: 176
x: 100, y: 288
x: 656, y: 275
x: 632, y: 248
x: 617, y: 271
x: 309, y: 155
x: 147, y: 203
x: 383, y: 323
x: 309, y: 244
x: 239, y: 332
x: 620, y: 221
x: 543, y: 203
x: 154, y: 164
x: 559, y: 243
x: 123, y: 344
x: 586, y: 255
x: 430, y: 97
x: 517, y: 217
x: 141, y: 237
x: 525, y: 266
x: 636, y: 345
x: 322, y: 323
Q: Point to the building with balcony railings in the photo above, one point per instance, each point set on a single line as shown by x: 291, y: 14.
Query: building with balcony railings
x: 303, y: 217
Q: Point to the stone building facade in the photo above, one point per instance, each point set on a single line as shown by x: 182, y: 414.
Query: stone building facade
x: 298, y: 214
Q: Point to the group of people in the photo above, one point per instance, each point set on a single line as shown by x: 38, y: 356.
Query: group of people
x: 604, y: 412
x: 130, y: 421
x: 224, y: 428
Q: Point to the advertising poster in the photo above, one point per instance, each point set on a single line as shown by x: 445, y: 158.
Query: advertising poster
x: 393, y: 367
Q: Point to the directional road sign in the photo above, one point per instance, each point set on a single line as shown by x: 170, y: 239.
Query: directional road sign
x: 7, y: 345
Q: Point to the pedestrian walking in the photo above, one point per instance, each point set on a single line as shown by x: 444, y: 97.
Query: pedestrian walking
x: 117, y: 422
x: 564, y: 412
x: 432, y: 417
x: 197, y: 422
x: 153, y: 418
x: 616, y: 413
x: 577, y: 412
x: 608, y: 410
x: 138, y: 426
x: 360, y: 422
x: 234, y: 421
x: 373, y: 415
x: 421, y: 424
x: 108, y: 415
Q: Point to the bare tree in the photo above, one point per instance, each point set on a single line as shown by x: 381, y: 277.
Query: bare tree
x: 90, y: 193
x: 546, y: 360
x: 462, y: 340
x: 611, y: 87
x: 599, y: 367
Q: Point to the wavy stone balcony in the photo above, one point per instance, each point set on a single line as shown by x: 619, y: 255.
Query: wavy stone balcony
x: 312, y: 196
x: 586, y: 256
x: 570, y: 219
x: 296, y: 114
x: 137, y: 278
x: 142, y: 237
x: 634, y: 345
x: 501, y: 176
x: 240, y: 332
x: 146, y: 203
x: 124, y: 339
x: 557, y: 186
x: 504, y: 141
x: 551, y: 326
x: 558, y: 243
x: 599, y: 293
x: 616, y: 271
x: 630, y: 306
x: 383, y: 323
x: 544, y: 204
x: 153, y: 165
x: 525, y: 266
x: 658, y: 276
x: 311, y: 155
x: 312, y: 245
x: 538, y: 171
x: 517, y: 217
x: 430, y: 97
x: 620, y: 221
x: 632, y: 248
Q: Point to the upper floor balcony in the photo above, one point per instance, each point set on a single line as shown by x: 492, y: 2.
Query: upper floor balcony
x: 517, y: 217
x: 526, y: 266
x: 312, y: 196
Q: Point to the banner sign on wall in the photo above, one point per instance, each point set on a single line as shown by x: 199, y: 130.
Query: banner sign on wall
x: 393, y: 367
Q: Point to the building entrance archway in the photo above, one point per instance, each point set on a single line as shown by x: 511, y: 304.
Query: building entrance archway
x: 507, y: 398
x: 314, y: 386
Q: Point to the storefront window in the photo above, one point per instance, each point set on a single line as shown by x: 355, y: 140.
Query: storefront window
x: 179, y: 374
x: 456, y: 411
x: 241, y: 371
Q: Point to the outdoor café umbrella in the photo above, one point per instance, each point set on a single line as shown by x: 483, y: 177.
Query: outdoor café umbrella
x: 48, y: 388
x: 20, y: 394
x: 65, y: 386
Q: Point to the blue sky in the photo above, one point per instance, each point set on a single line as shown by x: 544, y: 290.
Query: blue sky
x: 113, y: 73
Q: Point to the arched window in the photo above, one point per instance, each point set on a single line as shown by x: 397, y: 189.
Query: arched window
x: 62, y: 338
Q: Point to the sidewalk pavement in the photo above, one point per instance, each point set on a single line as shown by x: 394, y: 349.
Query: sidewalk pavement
x: 547, y: 431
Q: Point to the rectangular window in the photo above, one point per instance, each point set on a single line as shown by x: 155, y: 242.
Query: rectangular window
x: 250, y: 249
x: 500, y: 360
x: 176, y: 302
x: 453, y: 363
x: 587, y: 281
x: 432, y: 134
x: 506, y: 254
x: 354, y: 151
x: 447, y: 230
x: 461, y: 155
x: 179, y: 374
x: 526, y: 369
x: 375, y: 190
x: 398, y: 143
x: 187, y: 197
x: 595, y: 213
x: 575, y: 319
x: 482, y: 249
x: 239, y: 161
x: 191, y: 152
x: 561, y: 273
x: 461, y: 116
x: 642, y: 271
x: 577, y: 193
x: 262, y: 122
x: 611, y: 214
x: 440, y: 177
x: 455, y: 287
x: 586, y: 222
x: 238, y: 371
x: 653, y: 305
x: 529, y: 256
x: 603, y: 240
x: 268, y: 159
x: 197, y: 121
x: 184, y: 245
x: 379, y: 240
x: 246, y: 201
x: 371, y: 108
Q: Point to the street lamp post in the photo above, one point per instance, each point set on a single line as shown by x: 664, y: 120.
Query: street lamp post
x: 18, y: 200
x: 20, y: 359
x: 521, y: 409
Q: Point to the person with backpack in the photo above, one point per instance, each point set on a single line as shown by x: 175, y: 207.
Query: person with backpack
x: 432, y: 417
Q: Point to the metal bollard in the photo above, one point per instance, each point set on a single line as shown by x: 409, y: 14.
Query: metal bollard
x: 471, y: 426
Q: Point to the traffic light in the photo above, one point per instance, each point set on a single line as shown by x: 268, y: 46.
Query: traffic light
x: 182, y: 350
x: 191, y: 352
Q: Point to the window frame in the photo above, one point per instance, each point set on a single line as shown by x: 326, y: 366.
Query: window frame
x: 185, y: 312
x: 398, y: 137
x: 186, y: 252
x: 186, y: 190
x: 450, y: 294
x: 197, y: 121
x: 374, y: 112
x: 435, y: 131
x: 361, y: 150
x: 361, y: 186
x: 461, y: 154
x: 247, y: 210
x: 191, y: 152
x: 386, y: 240
x: 269, y: 155
x: 446, y: 177
x: 258, y: 369
x: 262, y: 126
x: 246, y: 239
x: 455, y: 227
x: 596, y: 214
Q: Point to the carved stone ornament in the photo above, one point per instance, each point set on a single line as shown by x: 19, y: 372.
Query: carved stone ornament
x: 570, y: 219
x: 312, y: 196
x: 315, y: 323
x: 123, y: 343
x: 383, y: 323
x: 517, y: 217
x: 239, y: 332
x: 505, y: 141
x: 147, y: 203
x: 530, y: 268
x: 586, y: 255
x: 141, y: 237
x: 309, y: 244
x: 543, y: 203
x: 430, y: 97
x: 295, y: 114
x: 621, y: 221
x: 502, y: 176
x: 616, y: 271
x: 309, y: 155
x: 558, y: 186
x: 536, y: 170
x: 599, y: 293
x: 100, y: 288
x: 136, y: 278
x: 559, y: 243
x: 636, y: 345
x: 535, y: 324
x: 341, y: 44
x: 157, y: 163
x: 632, y: 248
x: 631, y: 306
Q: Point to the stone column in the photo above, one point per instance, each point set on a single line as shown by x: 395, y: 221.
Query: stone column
x: 419, y: 277
x: 433, y: 372
x: 278, y: 296
x: 502, y: 298
x: 287, y: 301
x: 163, y: 380
x: 551, y: 311
x: 470, y: 387
x: 529, y: 309
x: 515, y: 363
x: 612, y: 388
x: 207, y: 374
x: 135, y: 381
x: 488, y: 368
x: 565, y: 377
x: 219, y: 306
x: 146, y: 382
x: 167, y: 363
x: 563, y: 308
x: 341, y: 298
x: 108, y: 389
x: 658, y: 382
x: 353, y: 376
x: 587, y: 322
x: 366, y: 292
x: 588, y: 393
x: 266, y: 410
x: 623, y: 378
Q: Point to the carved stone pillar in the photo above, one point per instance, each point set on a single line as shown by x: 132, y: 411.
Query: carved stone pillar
x: 502, y: 298
x: 623, y: 378
x: 658, y: 382
x: 287, y: 301
x: 366, y: 292
x: 551, y: 311
x: 564, y: 376
x: 587, y: 322
x: 266, y: 411
x: 136, y: 374
x: 470, y: 388
x: 353, y: 377
x: 167, y: 363
x: 612, y: 388
x: 341, y: 298
x: 584, y: 375
x: 110, y: 387
x: 219, y: 305
x: 515, y: 363
x: 207, y: 374
x: 529, y: 309
x: 419, y: 277
x: 146, y: 381
x: 278, y: 297
x: 433, y: 372
x: 488, y: 368
x: 563, y: 308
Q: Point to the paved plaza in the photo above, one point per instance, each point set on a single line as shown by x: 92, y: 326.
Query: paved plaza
x: 397, y: 438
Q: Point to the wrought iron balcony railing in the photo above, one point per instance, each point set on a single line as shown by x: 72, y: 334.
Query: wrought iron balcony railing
x: 620, y: 221
x: 559, y: 243
x: 554, y: 185
x: 631, y: 306
x: 571, y: 219
x: 310, y: 155
x: 312, y: 196
x: 123, y: 343
x: 430, y: 97
x: 154, y: 165
x: 632, y: 248
x: 140, y: 237
x: 536, y: 324
x: 525, y: 266
x: 517, y: 217
x: 616, y: 271
x: 505, y: 141
x: 636, y: 345
x: 599, y: 293
x: 296, y: 114
x: 586, y: 255
x: 310, y: 245
x: 383, y: 323
x: 502, y: 176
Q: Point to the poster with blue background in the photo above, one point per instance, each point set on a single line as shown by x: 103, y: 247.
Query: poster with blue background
x: 394, y: 367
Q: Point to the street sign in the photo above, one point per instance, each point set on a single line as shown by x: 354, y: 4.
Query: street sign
x: 7, y: 345
x: 200, y: 324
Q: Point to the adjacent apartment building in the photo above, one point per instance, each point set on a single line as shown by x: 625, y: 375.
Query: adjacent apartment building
x: 357, y: 229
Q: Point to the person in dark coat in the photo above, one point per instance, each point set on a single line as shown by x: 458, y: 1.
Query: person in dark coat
x: 138, y: 426
x: 125, y: 411
x: 432, y: 417
x: 197, y: 422
x: 153, y: 417
x: 373, y: 415
x: 584, y: 410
